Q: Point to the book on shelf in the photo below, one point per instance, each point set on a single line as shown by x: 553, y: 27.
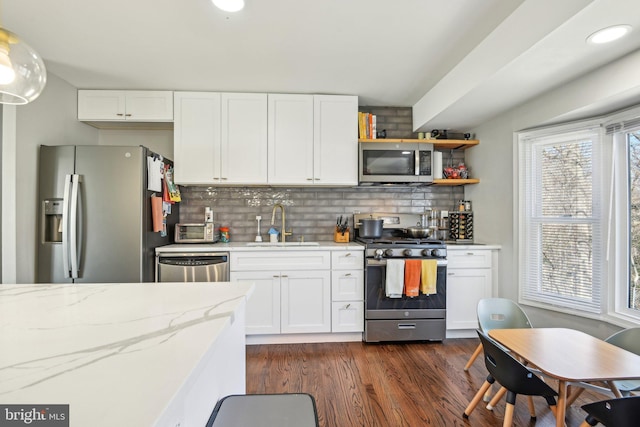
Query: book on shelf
x: 366, y: 125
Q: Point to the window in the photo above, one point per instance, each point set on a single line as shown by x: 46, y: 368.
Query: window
x: 633, y: 173
x: 561, y: 238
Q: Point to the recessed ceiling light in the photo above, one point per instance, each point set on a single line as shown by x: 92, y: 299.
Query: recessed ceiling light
x: 229, y: 5
x: 609, y: 34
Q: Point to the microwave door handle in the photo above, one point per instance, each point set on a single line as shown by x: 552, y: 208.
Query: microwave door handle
x: 417, y: 162
x: 73, y: 223
x: 65, y: 226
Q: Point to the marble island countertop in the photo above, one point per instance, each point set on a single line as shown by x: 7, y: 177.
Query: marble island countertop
x: 122, y: 354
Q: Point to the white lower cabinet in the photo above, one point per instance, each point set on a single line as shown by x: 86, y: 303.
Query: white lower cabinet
x: 347, y: 291
x: 305, y: 302
x: 469, y: 279
x: 299, y: 292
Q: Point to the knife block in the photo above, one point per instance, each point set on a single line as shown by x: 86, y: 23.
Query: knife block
x: 338, y: 237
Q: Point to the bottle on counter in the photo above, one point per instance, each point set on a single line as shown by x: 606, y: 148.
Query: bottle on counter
x: 224, y: 235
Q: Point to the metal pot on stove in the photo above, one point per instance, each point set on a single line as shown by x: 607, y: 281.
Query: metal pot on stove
x: 370, y: 228
x: 419, y: 232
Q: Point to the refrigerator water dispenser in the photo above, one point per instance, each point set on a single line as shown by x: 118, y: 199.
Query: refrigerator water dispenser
x: 52, y: 220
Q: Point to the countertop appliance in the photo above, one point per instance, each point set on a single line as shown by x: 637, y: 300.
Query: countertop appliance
x: 195, y: 233
x: 95, y: 223
x: 388, y: 162
x: 192, y: 267
x: 419, y: 318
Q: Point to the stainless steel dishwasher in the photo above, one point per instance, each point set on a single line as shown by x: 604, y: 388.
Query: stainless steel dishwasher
x: 192, y: 267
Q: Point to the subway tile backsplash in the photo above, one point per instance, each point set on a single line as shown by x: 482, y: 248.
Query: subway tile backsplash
x: 310, y: 212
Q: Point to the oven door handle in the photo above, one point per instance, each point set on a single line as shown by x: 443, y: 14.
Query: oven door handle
x: 382, y: 262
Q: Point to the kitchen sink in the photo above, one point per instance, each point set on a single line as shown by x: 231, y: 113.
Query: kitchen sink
x: 278, y: 244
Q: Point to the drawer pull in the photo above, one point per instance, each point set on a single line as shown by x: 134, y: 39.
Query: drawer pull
x: 284, y: 275
x: 347, y: 254
x: 347, y: 275
x: 470, y: 253
x: 347, y: 307
x: 275, y: 276
x: 451, y: 274
x: 406, y: 325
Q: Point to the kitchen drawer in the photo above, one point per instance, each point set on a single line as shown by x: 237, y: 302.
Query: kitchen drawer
x: 347, y: 260
x: 347, y: 285
x: 465, y: 258
x: 280, y: 260
x: 347, y: 316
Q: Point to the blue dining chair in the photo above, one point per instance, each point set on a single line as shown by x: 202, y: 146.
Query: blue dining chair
x: 623, y: 412
x: 498, y: 313
x: 515, y: 377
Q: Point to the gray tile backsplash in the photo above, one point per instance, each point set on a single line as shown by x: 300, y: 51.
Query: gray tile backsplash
x: 310, y: 212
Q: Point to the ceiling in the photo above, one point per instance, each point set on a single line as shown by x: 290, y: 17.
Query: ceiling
x: 457, y: 63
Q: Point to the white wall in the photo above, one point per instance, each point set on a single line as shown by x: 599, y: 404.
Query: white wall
x: 612, y: 87
x: 49, y: 120
x: 158, y: 141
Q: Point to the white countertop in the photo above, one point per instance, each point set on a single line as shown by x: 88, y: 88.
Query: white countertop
x: 254, y: 246
x: 116, y: 353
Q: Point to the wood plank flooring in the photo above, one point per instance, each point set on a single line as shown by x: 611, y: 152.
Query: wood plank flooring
x: 389, y: 385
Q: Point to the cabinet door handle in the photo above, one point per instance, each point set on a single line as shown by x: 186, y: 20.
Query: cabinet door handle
x: 347, y: 307
x: 119, y: 114
x: 275, y: 276
x: 347, y: 275
x: 284, y: 275
x: 309, y: 179
x: 347, y: 254
x: 451, y: 274
x: 128, y: 115
x: 470, y: 253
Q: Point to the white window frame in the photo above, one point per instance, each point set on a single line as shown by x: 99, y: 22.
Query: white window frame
x: 618, y: 309
x: 527, y: 218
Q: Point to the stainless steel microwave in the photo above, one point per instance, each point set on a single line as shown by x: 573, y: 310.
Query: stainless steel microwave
x: 195, y: 233
x: 390, y: 162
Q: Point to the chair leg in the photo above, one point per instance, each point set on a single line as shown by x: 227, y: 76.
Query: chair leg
x: 476, y: 399
x: 508, y: 415
x: 573, y: 396
x: 532, y: 408
x: 487, y: 394
x: 473, y: 357
x: 496, y: 398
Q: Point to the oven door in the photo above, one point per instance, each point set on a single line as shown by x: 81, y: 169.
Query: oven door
x: 379, y: 306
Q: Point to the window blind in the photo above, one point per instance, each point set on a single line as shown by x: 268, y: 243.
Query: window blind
x: 560, y: 219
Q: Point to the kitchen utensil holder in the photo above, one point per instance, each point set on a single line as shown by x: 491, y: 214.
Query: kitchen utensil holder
x: 339, y: 237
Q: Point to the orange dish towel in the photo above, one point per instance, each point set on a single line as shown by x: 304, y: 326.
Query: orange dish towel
x: 412, y: 277
x: 429, y: 276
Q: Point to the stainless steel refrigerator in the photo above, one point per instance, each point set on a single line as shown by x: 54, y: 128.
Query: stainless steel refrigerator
x: 95, y: 223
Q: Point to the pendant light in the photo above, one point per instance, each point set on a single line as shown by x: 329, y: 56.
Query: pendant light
x: 22, y: 71
x: 229, y: 5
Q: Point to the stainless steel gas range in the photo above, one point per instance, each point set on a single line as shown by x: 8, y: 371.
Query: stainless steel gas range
x: 393, y: 260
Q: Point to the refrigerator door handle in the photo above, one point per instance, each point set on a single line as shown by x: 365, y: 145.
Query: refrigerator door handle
x: 65, y: 226
x: 73, y: 223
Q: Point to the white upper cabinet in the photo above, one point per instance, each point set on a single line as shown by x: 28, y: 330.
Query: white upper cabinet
x: 244, y: 138
x: 196, y: 137
x: 335, y: 135
x: 125, y: 105
x: 290, y: 139
x: 258, y: 139
x: 313, y: 139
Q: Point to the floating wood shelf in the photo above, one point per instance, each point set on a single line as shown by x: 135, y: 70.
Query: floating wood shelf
x: 439, y: 144
x: 455, y: 182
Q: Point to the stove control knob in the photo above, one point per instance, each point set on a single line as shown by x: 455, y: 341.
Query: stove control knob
x: 440, y: 253
x: 388, y: 253
x: 426, y: 252
x: 378, y: 254
x: 407, y: 252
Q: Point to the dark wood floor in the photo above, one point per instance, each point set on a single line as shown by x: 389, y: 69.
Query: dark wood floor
x: 389, y: 385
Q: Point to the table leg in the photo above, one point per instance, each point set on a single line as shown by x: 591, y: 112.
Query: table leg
x: 613, y: 388
x: 562, y: 403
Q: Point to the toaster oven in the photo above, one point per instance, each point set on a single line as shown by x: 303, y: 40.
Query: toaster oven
x: 195, y: 233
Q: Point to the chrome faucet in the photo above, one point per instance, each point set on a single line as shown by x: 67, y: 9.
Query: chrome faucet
x: 283, y: 233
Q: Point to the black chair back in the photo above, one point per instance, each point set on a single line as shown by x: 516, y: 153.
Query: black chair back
x: 510, y: 373
x: 623, y: 412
